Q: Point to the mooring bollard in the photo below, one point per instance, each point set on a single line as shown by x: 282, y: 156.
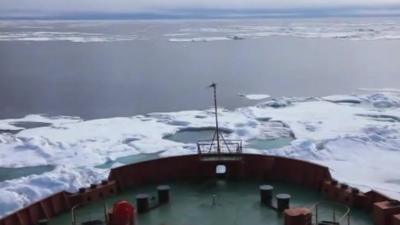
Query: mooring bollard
x: 82, y: 190
x: 142, y: 203
x: 163, y: 194
x: 283, y: 202
x: 266, y: 194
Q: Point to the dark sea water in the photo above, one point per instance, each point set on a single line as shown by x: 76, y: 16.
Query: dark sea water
x: 106, y: 79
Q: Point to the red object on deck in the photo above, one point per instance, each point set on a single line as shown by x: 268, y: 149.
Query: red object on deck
x: 123, y: 213
x: 297, y: 216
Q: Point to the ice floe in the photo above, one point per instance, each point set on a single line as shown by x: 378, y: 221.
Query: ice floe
x: 199, y: 39
x: 350, y: 30
x: 254, y: 96
x: 63, y: 36
x: 380, y: 90
x: 176, y: 34
x: 359, y: 142
x: 343, y: 99
x: 77, y: 31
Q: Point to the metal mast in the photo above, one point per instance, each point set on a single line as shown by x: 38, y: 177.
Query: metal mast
x: 233, y: 147
x: 214, y: 86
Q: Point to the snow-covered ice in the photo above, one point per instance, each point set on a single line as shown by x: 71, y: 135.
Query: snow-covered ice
x: 357, y: 136
x: 380, y: 89
x: 254, y: 96
x: 355, y: 30
x: 349, y: 30
x: 199, y: 39
x: 342, y: 99
x: 78, y: 37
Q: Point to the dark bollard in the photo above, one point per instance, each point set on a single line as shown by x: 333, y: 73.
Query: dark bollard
x: 394, y: 202
x: 163, y: 194
x: 355, y: 191
x: 142, y: 203
x: 104, y: 182
x: 266, y: 194
x: 283, y: 201
x: 93, y: 222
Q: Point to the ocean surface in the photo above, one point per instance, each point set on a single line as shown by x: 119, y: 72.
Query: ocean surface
x: 104, y: 75
x: 97, y: 69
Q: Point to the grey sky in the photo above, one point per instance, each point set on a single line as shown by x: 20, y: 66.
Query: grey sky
x: 113, y: 6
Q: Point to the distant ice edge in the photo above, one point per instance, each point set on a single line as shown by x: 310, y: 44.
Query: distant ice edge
x: 43, y: 31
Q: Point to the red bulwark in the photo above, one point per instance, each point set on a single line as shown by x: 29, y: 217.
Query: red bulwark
x: 347, y: 195
x: 384, y: 212
x: 396, y: 219
x: 190, y: 167
x: 44, y: 209
x: 95, y: 192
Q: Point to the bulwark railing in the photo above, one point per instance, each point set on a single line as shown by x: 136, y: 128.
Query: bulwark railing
x: 209, y: 147
x: 331, y: 213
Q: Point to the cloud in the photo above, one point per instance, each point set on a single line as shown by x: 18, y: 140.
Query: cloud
x: 131, y: 6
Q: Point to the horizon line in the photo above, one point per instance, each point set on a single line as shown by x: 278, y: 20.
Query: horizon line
x: 204, y: 14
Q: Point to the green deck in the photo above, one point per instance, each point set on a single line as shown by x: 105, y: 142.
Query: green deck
x: 236, y: 203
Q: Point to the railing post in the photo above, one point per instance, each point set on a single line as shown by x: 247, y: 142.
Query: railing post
x: 106, y: 213
x: 348, y: 219
x: 334, y: 215
x: 73, y: 215
x: 198, y: 148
